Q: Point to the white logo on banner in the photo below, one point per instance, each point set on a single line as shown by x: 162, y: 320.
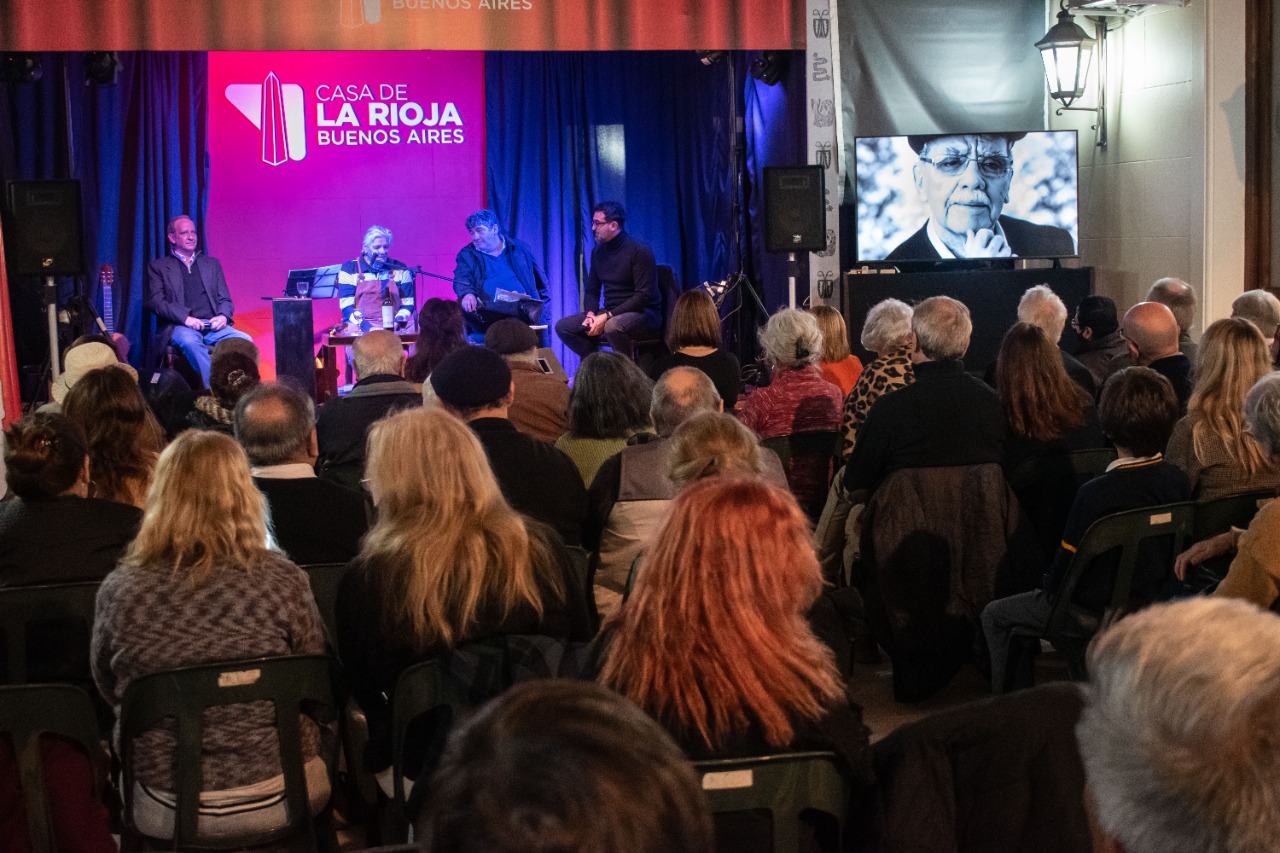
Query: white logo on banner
x: 276, y: 109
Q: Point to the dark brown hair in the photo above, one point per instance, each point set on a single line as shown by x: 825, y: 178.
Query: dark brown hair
x: 694, y: 322
x: 43, y: 455
x: 124, y: 438
x: 1040, y: 401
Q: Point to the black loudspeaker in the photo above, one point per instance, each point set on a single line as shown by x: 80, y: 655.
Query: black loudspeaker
x: 48, y: 234
x: 794, y: 209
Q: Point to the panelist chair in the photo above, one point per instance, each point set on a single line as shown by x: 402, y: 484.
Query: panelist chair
x: 787, y: 786
x: 653, y: 346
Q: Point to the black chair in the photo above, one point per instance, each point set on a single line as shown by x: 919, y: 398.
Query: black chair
x: 429, y: 697
x: 46, y: 632
x: 294, y: 684
x: 1217, y: 516
x: 1126, y: 531
x: 324, y: 578
x: 654, y: 345
x: 784, y: 785
x: 1046, y: 486
x: 26, y: 713
x: 816, y: 453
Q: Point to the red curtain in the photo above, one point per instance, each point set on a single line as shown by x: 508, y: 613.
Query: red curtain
x: 8, y: 358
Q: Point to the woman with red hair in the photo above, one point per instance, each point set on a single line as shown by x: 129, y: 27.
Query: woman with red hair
x: 714, y: 642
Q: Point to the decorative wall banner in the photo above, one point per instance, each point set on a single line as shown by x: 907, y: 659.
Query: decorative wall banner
x: 824, y: 266
x: 402, y: 25
x: 308, y: 149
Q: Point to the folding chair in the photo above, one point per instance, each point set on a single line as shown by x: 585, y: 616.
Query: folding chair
x: 64, y: 612
x: 1218, y: 516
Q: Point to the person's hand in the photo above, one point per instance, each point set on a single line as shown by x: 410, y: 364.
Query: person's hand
x: 597, y: 324
x: 469, y: 303
x: 194, y: 323
x: 218, y: 322
x: 1206, y: 549
x: 985, y: 243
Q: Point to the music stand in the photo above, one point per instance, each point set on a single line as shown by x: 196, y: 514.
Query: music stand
x: 317, y: 283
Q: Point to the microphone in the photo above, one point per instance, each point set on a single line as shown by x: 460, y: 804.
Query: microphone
x: 392, y: 263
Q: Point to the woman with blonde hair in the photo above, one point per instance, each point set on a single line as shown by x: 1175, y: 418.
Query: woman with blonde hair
x: 124, y: 437
x: 714, y: 642
x: 447, y: 562
x: 199, y: 584
x: 693, y: 336
x: 712, y: 443
x: 839, y: 367
x: 887, y: 333
x: 1210, y: 443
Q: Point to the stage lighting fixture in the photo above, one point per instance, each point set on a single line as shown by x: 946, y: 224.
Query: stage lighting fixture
x: 20, y: 68
x: 101, y: 67
x: 769, y: 67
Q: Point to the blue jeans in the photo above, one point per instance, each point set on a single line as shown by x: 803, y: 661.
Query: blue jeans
x: 195, y: 346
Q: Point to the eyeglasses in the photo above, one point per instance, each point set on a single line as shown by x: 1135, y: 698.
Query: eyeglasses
x: 600, y: 223
x: 989, y: 166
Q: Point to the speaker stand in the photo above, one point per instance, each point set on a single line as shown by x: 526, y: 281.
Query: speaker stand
x: 51, y: 308
x: 791, y: 279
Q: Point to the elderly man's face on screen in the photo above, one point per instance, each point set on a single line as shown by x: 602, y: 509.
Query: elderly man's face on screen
x: 965, y: 181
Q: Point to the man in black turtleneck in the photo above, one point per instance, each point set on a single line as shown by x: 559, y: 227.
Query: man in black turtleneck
x: 624, y: 274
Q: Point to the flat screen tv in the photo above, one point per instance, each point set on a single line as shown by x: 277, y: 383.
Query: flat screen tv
x: 967, y: 196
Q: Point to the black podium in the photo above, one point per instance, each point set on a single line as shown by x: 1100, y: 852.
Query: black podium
x: 291, y: 319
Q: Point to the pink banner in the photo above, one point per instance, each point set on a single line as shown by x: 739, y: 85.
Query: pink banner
x: 309, y: 149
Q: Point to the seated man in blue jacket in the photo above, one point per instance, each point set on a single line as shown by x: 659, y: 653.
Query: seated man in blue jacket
x: 1138, y: 410
x: 496, y: 277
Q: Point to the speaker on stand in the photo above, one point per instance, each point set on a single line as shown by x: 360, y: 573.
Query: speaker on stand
x: 794, y: 214
x: 47, y: 239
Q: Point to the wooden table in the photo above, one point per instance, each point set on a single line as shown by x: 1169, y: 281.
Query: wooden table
x: 327, y: 381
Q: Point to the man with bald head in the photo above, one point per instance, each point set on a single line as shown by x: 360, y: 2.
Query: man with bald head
x: 380, y: 389
x: 1180, y: 298
x: 1151, y: 331
x: 276, y: 425
x: 1262, y: 309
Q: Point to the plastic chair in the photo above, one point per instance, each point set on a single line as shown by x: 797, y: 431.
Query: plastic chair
x: 1046, y: 487
x: 1217, y: 516
x: 294, y: 684
x: 442, y: 689
x: 785, y: 785
x: 70, y: 606
x: 818, y: 451
x: 1126, y: 531
x: 26, y: 713
x: 324, y: 578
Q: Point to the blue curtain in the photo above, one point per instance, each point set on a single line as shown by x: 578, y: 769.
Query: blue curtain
x: 138, y: 149
x: 653, y: 130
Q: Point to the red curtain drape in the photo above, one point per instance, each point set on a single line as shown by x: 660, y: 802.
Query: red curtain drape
x: 8, y: 358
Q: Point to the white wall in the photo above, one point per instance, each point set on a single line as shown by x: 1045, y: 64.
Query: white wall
x: 1166, y: 196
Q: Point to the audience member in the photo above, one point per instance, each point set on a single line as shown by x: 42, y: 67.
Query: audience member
x: 608, y: 405
x: 1151, y: 332
x: 732, y: 574
x: 475, y: 384
x: 1210, y: 443
x: 1137, y: 409
x: 887, y: 333
x: 1044, y: 309
x: 124, y: 437
x: 541, y: 403
x: 1255, y: 571
x: 52, y: 531
x: 173, y: 401
x: 440, y: 332
x: 313, y: 520
x: 838, y: 365
x: 199, y: 584
x: 631, y: 492
x: 230, y: 377
x: 565, y: 766
x: 79, y: 359
x: 712, y: 443
x: 343, y: 424
x: 693, y: 336
x: 1180, y: 298
x: 1178, y: 731
x: 1098, y: 326
x: 447, y: 562
x: 945, y: 418
x: 1044, y: 411
x: 1262, y: 309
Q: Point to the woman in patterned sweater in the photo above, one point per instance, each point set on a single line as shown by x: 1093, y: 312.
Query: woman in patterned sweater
x: 887, y: 333
x: 199, y: 584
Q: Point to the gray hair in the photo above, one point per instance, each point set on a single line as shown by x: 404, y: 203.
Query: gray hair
x: 273, y: 423
x: 1178, y: 737
x: 887, y: 327
x: 1262, y: 412
x: 792, y: 338
x: 376, y: 353
x: 1259, y: 307
x: 1042, y: 308
x: 678, y: 395
x: 1176, y: 295
x: 942, y: 327
x: 373, y: 232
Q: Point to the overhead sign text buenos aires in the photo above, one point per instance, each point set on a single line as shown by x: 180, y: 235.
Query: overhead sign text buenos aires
x: 382, y: 114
